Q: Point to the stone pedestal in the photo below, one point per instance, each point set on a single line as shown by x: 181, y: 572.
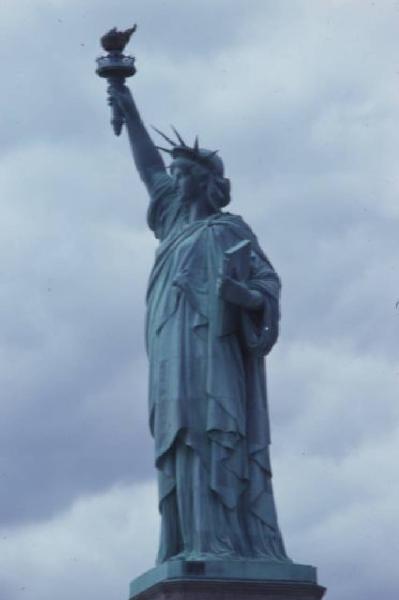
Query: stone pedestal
x: 220, y: 580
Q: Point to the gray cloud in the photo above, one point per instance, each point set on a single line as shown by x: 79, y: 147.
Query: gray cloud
x: 98, y: 534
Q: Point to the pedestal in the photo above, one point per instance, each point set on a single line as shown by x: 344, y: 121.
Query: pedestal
x: 222, y: 580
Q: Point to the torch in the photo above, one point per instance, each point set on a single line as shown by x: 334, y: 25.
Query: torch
x: 115, y: 67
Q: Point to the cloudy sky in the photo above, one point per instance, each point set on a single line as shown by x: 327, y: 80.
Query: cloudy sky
x: 302, y: 99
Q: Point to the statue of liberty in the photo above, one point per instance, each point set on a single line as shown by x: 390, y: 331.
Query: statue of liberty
x: 207, y: 332
x: 212, y: 316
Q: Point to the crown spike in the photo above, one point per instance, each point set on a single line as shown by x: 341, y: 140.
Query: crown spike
x: 196, y: 145
x: 165, y: 149
x: 165, y: 137
x: 177, y: 134
x: 212, y: 154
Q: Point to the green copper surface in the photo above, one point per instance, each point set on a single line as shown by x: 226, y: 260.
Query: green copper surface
x: 212, y: 317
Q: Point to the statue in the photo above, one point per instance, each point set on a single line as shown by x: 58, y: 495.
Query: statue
x: 212, y: 317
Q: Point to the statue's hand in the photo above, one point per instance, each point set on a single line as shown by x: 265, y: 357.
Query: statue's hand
x: 239, y: 293
x: 120, y: 96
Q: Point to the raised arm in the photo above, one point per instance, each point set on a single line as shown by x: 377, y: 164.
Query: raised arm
x: 147, y: 158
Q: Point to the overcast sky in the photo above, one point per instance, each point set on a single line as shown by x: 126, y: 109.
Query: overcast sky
x: 302, y: 100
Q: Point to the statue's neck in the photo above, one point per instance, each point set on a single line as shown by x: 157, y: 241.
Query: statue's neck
x: 199, y: 208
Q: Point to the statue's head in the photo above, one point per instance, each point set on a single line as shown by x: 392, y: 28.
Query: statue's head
x: 198, y: 172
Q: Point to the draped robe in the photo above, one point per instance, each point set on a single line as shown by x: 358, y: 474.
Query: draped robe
x: 207, y: 392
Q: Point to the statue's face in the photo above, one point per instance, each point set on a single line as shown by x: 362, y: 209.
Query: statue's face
x: 189, y: 178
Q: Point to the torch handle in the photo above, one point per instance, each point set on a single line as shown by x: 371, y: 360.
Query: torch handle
x: 117, y: 118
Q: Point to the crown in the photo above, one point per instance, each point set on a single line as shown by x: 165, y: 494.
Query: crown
x: 179, y: 149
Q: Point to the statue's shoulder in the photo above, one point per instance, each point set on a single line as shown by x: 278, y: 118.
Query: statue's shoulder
x: 160, y: 185
x: 224, y: 217
x: 239, y: 229
x: 162, y: 201
x: 234, y: 222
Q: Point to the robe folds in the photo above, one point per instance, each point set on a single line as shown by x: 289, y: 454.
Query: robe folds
x: 207, y: 392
